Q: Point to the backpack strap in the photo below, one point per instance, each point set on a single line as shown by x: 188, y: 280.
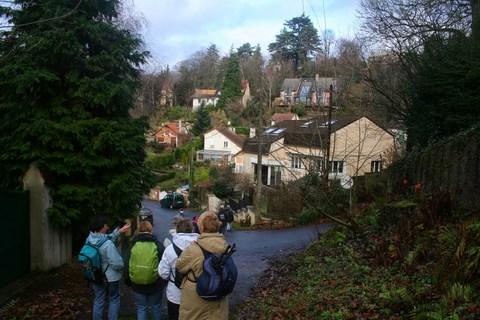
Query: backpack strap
x: 98, y: 248
x: 205, y: 252
x: 178, y: 251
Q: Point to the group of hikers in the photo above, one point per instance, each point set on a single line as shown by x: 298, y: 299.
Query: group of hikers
x: 149, y: 266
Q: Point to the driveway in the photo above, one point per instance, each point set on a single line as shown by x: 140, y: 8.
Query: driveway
x: 254, y: 248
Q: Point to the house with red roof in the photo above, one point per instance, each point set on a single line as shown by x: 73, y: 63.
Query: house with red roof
x: 171, y: 135
x: 279, y: 117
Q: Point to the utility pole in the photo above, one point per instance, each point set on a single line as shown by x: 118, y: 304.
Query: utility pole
x: 326, y: 169
x: 258, y: 196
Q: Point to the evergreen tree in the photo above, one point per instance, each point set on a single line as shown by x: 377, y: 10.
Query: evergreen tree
x: 68, y: 78
x: 444, y: 89
x: 232, y: 84
x: 202, y: 121
x: 252, y: 66
x: 297, y: 42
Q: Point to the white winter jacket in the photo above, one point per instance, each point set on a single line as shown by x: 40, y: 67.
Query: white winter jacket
x: 166, y: 267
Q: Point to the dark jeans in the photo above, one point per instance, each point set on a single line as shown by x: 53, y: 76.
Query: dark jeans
x: 173, y: 310
x: 222, y: 229
x: 100, y: 290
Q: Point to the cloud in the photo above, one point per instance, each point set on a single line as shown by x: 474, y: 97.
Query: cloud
x: 179, y: 28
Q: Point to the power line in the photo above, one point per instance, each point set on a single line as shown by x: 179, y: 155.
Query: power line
x: 45, y: 20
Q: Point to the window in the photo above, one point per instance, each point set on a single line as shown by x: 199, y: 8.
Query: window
x: 296, y: 162
x: 319, y: 165
x: 320, y: 96
x: 325, y: 124
x: 225, y: 144
x: 275, y: 176
x: 288, y: 91
x: 304, y: 93
x: 376, y: 166
x: 337, y: 166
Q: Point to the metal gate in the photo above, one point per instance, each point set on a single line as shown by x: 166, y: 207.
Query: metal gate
x: 15, y: 235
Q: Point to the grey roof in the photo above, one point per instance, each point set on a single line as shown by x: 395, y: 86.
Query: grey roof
x: 323, y: 83
x: 310, y: 133
x: 292, y: 83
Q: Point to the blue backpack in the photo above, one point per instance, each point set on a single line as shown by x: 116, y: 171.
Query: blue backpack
x: 219, y: 274
x: 89, y: 258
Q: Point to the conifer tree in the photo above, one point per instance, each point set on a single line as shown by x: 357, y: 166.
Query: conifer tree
x: 202, y: 121
x: 232, y: 84
x: 297, y: 42
x: 68, y: 78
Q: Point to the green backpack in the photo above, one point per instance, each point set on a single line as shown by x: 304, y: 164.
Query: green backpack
x: 143, y: 264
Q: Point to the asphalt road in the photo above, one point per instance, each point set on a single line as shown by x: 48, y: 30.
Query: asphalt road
x: 254, y: 248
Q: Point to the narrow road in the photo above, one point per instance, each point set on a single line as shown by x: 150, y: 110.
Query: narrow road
x: 254, y: 248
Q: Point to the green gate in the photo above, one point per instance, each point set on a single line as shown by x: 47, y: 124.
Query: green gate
x: 15, y: 235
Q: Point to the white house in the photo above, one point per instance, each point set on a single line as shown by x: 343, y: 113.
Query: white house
x: 205, y: 97
x: 221, y: 145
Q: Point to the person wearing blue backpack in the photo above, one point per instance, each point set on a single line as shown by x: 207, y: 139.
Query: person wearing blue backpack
x: 190, y: 262
x: 112, y: 266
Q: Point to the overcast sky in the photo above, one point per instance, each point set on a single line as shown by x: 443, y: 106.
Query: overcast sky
x: 178, y: 28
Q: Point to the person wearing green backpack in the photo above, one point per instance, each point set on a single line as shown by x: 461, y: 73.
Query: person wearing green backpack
x: 141, y: 272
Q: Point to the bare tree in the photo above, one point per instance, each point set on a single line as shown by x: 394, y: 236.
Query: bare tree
x: 395, y: 33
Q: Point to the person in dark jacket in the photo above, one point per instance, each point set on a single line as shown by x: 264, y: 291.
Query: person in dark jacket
x: 230, y: 218
x: 222, y: 217
x: 146, y: 295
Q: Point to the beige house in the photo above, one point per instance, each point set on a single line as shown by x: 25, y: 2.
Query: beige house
x: 294, y: 148
x: 221, y: 145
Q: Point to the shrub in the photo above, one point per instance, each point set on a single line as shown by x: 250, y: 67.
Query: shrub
x: 156, y: 147
x: 307, y: 215
x: 161, y: 161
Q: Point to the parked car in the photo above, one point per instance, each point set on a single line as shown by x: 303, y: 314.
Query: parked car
x: 145, y: 214
x: 173, y: 201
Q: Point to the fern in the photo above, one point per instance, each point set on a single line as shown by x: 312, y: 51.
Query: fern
x: 396, y: 299
x: 458, y: 294
x: 429, y: 315
x: 8, y: 306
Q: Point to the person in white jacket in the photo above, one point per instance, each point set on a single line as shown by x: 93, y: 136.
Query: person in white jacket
x: 166, y: 268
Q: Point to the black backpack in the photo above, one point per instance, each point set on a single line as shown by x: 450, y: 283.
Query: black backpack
x: 219, y: 274
x: 177, y: 276
x: 221, y: 215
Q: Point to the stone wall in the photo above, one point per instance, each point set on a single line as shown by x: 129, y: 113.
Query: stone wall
x: 452, y: 165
